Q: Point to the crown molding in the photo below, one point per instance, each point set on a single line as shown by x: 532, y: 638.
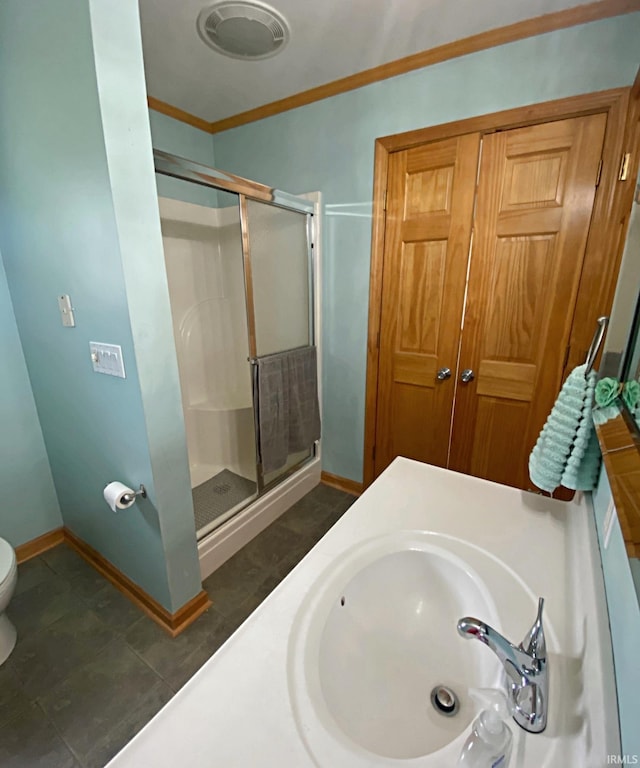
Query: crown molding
x: 550, y: 22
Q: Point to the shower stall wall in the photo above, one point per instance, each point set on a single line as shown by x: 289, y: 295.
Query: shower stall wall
x: 204, y: 262
x: 242, y: 275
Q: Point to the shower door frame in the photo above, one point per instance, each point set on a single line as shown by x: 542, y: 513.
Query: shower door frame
x: 190, y: 171
x: 251, y: 322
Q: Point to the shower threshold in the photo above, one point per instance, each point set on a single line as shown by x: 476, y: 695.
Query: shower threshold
x: 219, y: 498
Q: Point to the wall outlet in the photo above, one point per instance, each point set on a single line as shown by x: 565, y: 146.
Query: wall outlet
x: 609, y: 518
x: 107, y: 358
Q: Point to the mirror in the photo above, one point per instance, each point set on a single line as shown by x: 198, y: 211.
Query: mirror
x: 617, y: 418
x: 631, y: 365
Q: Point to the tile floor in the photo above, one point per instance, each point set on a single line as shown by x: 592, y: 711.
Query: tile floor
x: 89, y: 670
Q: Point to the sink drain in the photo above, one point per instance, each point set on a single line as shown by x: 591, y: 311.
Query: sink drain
x: 445, y: 701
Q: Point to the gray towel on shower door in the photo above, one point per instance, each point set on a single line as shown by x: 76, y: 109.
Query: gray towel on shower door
x: 288, y: 415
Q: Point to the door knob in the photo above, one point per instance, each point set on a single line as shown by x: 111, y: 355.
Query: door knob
x: 467, y: 375
x: 444, y: 373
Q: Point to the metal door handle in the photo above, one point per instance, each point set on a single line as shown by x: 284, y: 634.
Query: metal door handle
x: 444, y: 373
x: 467, y: 375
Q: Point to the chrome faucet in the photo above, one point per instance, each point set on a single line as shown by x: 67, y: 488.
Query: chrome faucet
x: 525, y: 665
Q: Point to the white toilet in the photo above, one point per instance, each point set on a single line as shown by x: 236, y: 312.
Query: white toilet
x: 8, y: 581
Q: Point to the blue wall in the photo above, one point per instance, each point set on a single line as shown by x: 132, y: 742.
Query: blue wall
x: 125, y: 124
x: 328, y: 146
x: 183, y: 140
x: 66, y: 142
x: 624, y: 619
x: 29, y: 505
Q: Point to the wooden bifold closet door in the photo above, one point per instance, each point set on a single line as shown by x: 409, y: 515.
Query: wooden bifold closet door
x: 513, y: 247
x: 430, y: 197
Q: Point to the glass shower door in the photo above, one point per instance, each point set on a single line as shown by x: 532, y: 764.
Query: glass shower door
x: 278, y: 275
x: 240, y: 275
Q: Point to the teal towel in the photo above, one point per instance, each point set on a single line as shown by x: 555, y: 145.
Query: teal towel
x: 583, y: 464
x: 567, y: 451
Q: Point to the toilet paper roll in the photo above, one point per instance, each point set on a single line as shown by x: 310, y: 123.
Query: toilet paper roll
x: 114, y: 495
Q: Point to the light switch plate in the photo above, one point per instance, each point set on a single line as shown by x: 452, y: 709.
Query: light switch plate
x: 66, y: 311
x: 107, y: 358
x: 609, y: 517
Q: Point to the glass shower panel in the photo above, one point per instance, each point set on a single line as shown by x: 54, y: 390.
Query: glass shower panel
x: 203, y: 254
x: 281, y: 286
x: 293, y: 461
x: 280, y: 276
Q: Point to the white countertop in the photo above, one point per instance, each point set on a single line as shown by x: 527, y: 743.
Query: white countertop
x: 237, y: 711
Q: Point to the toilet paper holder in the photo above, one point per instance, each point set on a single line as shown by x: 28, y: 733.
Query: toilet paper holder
x: 130, y: 497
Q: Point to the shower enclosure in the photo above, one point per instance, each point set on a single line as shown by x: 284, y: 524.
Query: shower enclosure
x: 240, y: 269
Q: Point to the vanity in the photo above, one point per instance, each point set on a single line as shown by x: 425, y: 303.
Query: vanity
x: 337, y: 666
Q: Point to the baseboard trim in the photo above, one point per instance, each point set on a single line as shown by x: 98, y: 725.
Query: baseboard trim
x: 172, y: 623
x: 342, y: 483
x: 39, y: 545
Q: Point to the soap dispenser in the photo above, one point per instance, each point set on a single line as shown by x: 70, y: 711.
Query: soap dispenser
x: 489, y: 745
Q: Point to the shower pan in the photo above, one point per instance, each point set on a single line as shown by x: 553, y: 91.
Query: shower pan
x: 241, y: 268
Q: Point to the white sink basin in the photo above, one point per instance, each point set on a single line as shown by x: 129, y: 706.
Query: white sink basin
x: 377, y: 633
x: 390, y: 639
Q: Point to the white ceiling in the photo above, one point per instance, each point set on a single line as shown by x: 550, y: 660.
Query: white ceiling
x: 330, y: 39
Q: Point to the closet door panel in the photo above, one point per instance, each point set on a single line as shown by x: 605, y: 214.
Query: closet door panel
x: 500, y: 423
x: 533, y: 209
x: 430, y: 193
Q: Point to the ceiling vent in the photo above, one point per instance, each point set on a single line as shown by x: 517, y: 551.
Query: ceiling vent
x: 243, y: 30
